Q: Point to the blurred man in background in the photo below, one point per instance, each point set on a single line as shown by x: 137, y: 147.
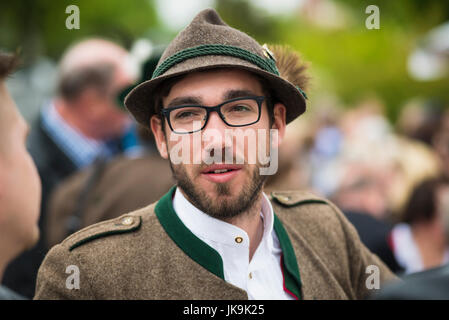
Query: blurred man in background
x: 421, y: 242
x: 428, y: 241
x: 106, y: 190
x: 20, y: 188
x: 82, y: 123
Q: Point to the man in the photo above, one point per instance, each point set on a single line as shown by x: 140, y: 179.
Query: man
x: 421, y: 241
x: 19, y: 214
x: 82, y: 124
x: 216, y: 235
x: 432, y: 283
x: 106, y: 190
x: 73, y: 130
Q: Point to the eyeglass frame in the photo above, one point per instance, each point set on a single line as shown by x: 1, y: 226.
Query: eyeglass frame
x: 259, y: 99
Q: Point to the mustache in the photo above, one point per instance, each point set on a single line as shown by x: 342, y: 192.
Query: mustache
x: 221, y: 155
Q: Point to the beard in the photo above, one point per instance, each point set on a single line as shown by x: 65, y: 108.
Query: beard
x: 213, y: 207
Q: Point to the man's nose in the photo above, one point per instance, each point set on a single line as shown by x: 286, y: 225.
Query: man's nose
x: 215, y: 122
x: 215, y: 130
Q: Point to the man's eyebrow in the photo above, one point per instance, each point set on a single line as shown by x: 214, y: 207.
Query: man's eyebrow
x: 232, y: 94
x: 179, y: 101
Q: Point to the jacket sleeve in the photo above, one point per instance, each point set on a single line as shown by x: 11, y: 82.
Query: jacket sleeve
x: 368, y: 273
x: 61, y: 277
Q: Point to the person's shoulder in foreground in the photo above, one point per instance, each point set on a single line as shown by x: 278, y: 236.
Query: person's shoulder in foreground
x: 20, y: 187
x: 150, y: 254
x: 432, y: 284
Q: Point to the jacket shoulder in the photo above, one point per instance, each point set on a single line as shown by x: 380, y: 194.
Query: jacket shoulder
x: 124, y: 224
x: 305, y: 207
x: 293, y: 198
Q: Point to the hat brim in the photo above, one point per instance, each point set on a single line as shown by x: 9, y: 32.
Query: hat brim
x: 140, y: 101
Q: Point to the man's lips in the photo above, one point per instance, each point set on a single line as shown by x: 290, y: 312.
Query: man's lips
x: 217, y: 168
x: 220, y: 173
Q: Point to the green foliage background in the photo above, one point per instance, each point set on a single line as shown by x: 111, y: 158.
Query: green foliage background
x: 351, y: 61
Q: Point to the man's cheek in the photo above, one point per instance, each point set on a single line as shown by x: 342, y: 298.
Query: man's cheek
x: 244, y: 144
x: 190, y: 172
x: 268, y: 153
x: 180, y: 149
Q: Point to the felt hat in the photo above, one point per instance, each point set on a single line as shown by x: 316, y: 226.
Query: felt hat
x: 209, y: 43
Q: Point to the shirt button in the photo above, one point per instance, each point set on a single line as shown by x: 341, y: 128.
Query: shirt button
x: 250, y: 275
x: 238, y: 239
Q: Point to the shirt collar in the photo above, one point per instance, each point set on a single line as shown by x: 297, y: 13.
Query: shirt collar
x: 215, y: 230
x: 209, y: 258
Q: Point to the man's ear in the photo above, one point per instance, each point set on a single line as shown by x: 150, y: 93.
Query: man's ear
x: 159, y: 136
x: 279, y: 122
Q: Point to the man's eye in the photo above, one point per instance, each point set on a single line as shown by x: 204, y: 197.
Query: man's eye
x: 186, y: 114
x: 240, y: 108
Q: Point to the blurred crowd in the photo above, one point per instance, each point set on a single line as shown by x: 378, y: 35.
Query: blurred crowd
x: 391, y: 181
x: 95, y: 163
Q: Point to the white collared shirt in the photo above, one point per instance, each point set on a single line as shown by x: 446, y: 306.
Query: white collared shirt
x: 261, y: 277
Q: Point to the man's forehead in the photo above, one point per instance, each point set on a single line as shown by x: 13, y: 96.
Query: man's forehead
x: 224, y: 83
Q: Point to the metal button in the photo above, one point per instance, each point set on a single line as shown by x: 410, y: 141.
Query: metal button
x: 238, y: 239
x: 284, y: 198
x: 127, y: 221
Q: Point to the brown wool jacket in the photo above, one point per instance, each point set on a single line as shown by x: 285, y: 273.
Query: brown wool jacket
x: 123, y: 185
x: 150, y: 254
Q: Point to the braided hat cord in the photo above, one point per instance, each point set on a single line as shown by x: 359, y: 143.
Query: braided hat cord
x: 268, y: 65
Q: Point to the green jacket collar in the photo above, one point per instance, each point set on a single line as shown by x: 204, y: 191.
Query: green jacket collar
x: 209, y: 258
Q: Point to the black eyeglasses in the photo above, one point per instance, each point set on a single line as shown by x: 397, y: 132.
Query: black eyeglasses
x: 238, y: 112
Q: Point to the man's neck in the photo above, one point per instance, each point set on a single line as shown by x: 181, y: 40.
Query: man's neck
x: 249, y: 221
x: 430, y: 246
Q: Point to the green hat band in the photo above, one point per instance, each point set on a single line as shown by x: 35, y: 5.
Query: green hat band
x: 268, y: 65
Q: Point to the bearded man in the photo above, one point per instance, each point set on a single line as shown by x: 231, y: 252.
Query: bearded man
x: 216, y: 235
